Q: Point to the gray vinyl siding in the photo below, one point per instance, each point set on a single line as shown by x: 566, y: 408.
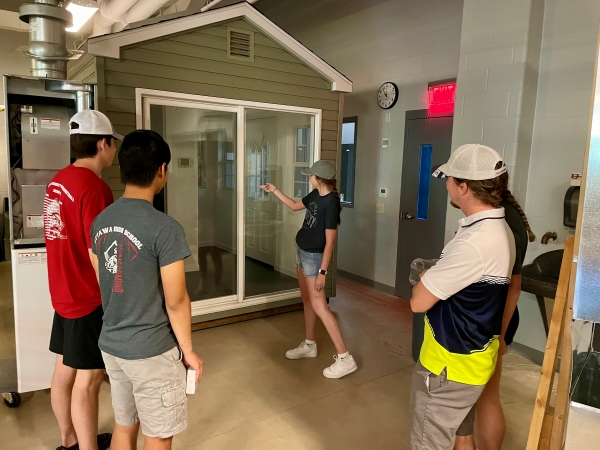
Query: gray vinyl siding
x: 196, y: 62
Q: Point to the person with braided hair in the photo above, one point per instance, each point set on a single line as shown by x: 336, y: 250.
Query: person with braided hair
x: 490, y: 426
x: 314, y: 248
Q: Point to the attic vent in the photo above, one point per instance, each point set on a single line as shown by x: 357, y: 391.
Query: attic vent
x: 240, y: 44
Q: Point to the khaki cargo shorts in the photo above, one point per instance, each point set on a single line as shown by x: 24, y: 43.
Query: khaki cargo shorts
x: 439, y: 407
x: 150, y: 391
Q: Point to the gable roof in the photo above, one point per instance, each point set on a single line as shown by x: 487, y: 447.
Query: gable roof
x: 110, y: 45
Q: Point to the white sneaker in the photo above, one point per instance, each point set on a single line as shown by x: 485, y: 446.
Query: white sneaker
x: 302, y: 351
x: 341, y: 367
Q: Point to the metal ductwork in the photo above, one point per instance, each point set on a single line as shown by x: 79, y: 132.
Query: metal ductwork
x: 47, y: 38
x: 84, y: 93
x: 115, y: 15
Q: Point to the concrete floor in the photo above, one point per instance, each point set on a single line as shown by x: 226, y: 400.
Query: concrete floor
x: 251, y: 397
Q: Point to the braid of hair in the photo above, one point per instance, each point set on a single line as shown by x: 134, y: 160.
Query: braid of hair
x: 507, y: 195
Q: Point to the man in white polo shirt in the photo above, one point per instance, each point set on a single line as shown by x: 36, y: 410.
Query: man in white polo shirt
x: 463, y: 296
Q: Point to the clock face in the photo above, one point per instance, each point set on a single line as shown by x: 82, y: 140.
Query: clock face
x: 387, y: 95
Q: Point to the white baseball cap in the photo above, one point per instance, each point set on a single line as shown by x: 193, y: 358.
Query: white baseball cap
x: 90, y: 121
x: 471, y: 162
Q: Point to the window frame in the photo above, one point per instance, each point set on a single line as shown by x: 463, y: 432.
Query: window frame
x: 350, y: 119
x: 305, y: 164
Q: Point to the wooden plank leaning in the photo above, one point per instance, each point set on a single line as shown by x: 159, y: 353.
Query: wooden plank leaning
x: 563, y: 389
x: 558, y: 324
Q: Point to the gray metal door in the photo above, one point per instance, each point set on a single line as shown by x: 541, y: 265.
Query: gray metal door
x: 424, y: 200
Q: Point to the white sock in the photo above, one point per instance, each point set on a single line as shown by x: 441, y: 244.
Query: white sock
x: 309, y: 342
x: 344, y: 355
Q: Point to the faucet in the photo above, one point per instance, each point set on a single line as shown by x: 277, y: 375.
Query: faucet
x: 548, y: 236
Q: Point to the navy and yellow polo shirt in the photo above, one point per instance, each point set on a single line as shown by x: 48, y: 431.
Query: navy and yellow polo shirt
x: 471, y: 280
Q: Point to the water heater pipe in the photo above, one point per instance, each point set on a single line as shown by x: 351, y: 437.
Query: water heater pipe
x: 84, y: 92
x: 47, y: 37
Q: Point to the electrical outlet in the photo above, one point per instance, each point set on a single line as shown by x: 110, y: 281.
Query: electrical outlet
x: 380, y: 208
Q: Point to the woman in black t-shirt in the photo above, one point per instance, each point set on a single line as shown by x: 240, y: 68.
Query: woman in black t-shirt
x: 490, y: 425
x: 314, y: 248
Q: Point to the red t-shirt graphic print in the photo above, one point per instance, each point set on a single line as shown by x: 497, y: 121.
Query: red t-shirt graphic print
x: 74, y: 198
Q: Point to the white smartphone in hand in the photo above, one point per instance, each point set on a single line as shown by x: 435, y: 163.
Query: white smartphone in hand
x: 191, y: 382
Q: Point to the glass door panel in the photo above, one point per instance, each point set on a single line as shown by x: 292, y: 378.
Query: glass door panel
x: 278, y: 145
x: 201, y: 193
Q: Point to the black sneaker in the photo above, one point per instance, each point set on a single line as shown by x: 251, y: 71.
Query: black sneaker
x: 103, y: 443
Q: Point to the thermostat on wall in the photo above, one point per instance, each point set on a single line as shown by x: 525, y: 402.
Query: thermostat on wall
x: 383, y: 192
x: 184, y: 162
x: 385, y: 142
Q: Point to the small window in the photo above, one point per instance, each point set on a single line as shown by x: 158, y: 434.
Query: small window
x: 349, y: 129
x: 226, y: 162
x: 229, y: 175
x: 301, y: 162
x: 258, y: 165
x: 425, y: 155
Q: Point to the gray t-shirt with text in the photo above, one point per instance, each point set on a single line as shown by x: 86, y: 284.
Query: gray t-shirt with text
x: 133, y: 241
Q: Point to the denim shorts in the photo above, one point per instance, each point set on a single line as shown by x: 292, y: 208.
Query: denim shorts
x: 310, y: 263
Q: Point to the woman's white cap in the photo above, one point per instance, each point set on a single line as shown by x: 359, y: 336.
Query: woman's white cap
x: 94, y: 122
x: 471, y: 162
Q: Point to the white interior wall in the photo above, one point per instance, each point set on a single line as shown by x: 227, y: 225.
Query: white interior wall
x: 527, y: 93
x: 567, y: 65
x: 497, y: 84
x: 407, y: 42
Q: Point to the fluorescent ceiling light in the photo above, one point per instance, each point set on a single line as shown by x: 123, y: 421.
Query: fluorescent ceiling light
x: 81, y: 10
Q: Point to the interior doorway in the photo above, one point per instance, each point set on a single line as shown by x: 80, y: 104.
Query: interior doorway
x: 424, y: 200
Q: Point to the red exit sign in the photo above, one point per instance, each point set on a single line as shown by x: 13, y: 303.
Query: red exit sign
x: 441, y: 98
x: 442, y: 94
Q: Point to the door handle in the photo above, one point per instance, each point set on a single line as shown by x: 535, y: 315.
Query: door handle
x: 406, y: 215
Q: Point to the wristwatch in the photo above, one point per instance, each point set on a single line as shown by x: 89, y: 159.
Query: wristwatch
x: 322, y: 272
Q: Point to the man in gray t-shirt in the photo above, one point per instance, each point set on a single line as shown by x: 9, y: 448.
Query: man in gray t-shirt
x: 131, y: 240
x: 146, y: 340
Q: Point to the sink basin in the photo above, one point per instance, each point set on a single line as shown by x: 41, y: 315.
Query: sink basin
x: 541, y: 276
x: 541, y: 279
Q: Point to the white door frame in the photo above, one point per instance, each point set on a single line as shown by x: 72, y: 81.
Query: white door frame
x: 144, y: 98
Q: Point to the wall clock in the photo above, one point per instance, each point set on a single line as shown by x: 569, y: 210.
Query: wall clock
x: 387, y: 96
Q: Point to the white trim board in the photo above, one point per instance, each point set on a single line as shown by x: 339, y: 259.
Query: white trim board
x: 110, y: 45
x: 199, y: 101
x: 202, y: 307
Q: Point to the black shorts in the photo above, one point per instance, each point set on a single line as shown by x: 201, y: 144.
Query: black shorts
x: 77, y: 340
x: 511, y: 330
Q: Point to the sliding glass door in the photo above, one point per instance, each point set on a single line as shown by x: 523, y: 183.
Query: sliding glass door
x: 242, y: 239
x: 201, y: 193
x: 278, y: 146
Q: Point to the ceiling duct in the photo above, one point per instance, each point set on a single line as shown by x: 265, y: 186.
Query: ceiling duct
x: 47, y: 38
x: 115, y: 15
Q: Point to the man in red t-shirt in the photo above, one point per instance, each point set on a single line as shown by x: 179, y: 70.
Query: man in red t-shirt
x: 74, y: 197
